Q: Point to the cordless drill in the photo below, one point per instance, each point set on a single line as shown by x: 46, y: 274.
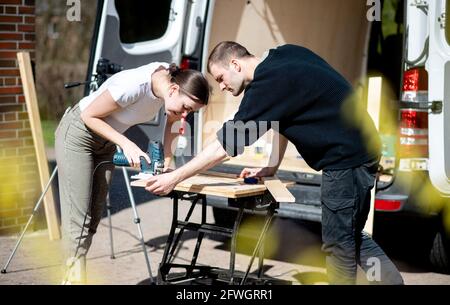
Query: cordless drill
x: 156, y: 153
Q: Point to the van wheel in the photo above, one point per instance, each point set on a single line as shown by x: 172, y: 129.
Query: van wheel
x: 224, y: 217
x: 440, y: 252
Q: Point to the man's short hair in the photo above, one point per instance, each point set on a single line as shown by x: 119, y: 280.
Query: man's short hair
x: 222, y: 53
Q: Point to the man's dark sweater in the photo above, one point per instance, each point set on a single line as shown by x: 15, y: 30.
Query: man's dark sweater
x: 298, y: 89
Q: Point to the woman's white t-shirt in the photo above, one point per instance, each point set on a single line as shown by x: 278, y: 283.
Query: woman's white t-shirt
x: 131, y: 89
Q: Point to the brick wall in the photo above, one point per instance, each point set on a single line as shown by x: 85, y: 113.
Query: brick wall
x: 19, y: 182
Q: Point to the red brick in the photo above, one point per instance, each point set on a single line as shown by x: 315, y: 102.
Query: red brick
x: 10, y: 1
x: 8, y: 19
x: 7, y: 27
x: 11, y: 125
x: 28, y: 175
x: 29, y: 10
x: 7, y: 99
x: 30, y: 19
x: 26, y: 28
x: 9, y: 222
x: 11, y: 108
x: 9, y: 82
x: 11, y: 36
x: 11, y: 10
x: 28, y: 186
x: 29, y: 2
x: 11, y: 143
x: 8, y: 45
x: 23, y: 220
x: 30, y: 160
x: 8, y: 134
x: 11, y: 90
x: 23, y: 116
x: 8, y: 54
x: 21, y: 99
x: 25, y: 151
x: 27, y: 45
x: 9, y: 72
x: 10, y: 116
x: 10, y: 213
x: 30, y: 37
x: 7, y: 63
x: 25, y: 133
x: 27, y: 211
x: 10, y: 230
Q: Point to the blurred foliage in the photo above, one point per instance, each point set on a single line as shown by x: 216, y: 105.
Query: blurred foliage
x: 48, y: 130
x: 390, y: 24
x: 62, y: 54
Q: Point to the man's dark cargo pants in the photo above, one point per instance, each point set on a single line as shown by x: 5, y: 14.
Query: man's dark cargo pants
x: 345, y: 207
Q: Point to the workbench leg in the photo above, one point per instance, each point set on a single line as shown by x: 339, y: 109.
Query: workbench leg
x: 164, y: 261
x: 261, y: 260
x: 177, y: 240
x: 269, y: 217
x: 237, y: 222
x: 200, y: 236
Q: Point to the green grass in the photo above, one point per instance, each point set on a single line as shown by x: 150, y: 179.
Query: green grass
x: 48, y: 130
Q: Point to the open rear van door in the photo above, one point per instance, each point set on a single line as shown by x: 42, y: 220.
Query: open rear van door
x: 135, y: 33
x: 438, y: 67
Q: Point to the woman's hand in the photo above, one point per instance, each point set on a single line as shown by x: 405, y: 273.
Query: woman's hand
x: 162, y: 184
x: 133, y: 154
x: 258, y: 172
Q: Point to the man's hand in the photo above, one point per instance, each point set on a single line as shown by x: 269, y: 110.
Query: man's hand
x: 257, y: 172
x: 162, y: 184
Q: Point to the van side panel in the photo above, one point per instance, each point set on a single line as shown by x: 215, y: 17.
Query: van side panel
x: 446, y: 108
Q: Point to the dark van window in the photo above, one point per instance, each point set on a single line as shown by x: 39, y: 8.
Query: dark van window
x: 142, y: 20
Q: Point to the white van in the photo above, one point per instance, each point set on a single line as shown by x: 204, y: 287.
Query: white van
x: 408, y: 46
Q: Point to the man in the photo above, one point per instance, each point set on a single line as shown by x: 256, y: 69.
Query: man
x: 314, y: 107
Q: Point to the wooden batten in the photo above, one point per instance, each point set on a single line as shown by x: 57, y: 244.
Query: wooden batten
x: 29, y: 90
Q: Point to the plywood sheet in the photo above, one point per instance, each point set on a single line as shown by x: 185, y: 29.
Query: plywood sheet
x: 216, y: 184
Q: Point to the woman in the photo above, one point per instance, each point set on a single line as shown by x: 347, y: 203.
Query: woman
x: 89, y: 132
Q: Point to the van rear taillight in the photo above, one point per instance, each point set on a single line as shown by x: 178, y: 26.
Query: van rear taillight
x: 387, y: 205
x: 413, y: 125
x: 413, y: 133
x: 415, y: 85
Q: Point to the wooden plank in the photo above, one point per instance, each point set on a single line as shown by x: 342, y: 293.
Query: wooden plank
x: 211, y: 184
x: 278, y: 190
x: 29, y: 90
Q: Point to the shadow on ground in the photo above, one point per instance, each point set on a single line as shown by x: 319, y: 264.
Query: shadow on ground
x: 405, y: 241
